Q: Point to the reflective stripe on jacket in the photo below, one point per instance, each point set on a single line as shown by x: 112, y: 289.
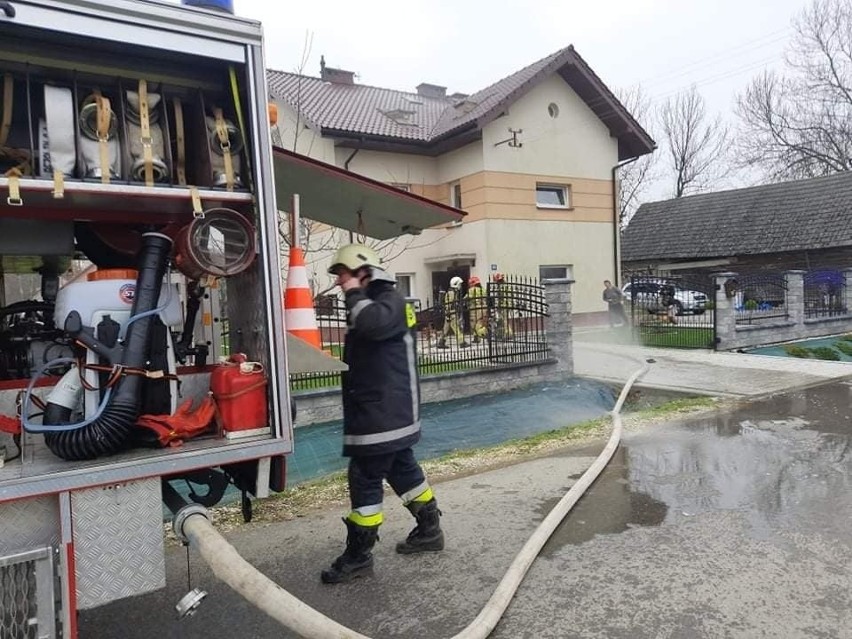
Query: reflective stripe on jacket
x: 381, y: 392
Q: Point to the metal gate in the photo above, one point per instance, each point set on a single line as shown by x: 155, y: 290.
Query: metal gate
x: 677, y: 311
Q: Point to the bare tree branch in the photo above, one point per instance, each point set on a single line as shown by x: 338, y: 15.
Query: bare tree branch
x: 697, y: 145
x: 799, y: 124
x: 635, y: 178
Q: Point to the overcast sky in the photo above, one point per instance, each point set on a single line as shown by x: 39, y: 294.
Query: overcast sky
x: 664, y: 45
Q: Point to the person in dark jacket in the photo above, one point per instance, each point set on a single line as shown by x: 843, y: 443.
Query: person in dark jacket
x: 381, y: 413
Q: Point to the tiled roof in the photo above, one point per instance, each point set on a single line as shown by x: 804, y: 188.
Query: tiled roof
x: 358, y: 108
x: 482, y: 102
x: 774, y: 218
x: 409, y: 117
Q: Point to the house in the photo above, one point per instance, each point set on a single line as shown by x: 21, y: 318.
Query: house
x: 804, y: 224
x: 530, y: 159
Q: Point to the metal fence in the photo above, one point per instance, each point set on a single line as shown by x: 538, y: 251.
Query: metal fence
x: 504, y: 324
x: 760, y: 297
x: 672, y: 310
x: 825, y: 294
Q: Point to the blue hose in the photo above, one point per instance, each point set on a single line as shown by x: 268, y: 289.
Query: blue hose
x: 63, y: 428
x: 55, y: 428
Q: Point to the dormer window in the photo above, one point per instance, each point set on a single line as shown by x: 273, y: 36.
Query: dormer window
x: 400, y: 116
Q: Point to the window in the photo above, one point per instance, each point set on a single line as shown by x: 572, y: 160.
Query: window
x: 556, y: 272
x: 404, y: 284
x: 402, y: 187
x: 455, y: 195
x: 551, y: 196
x: 553, y: 110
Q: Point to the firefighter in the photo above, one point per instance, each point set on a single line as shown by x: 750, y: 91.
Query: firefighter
x: 452, y: 303
x: 503, y: 306
x: 477, y: 308
x: 381, y: 414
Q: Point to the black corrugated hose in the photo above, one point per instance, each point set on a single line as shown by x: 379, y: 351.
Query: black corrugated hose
x: 109, y: 433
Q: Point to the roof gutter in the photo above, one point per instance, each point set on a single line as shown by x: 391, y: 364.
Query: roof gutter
x: 616, y: 221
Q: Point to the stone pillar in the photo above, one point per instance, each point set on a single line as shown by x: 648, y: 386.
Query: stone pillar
x: 558, y: 326
x: 796, y: 297
x: 846, y: 293
x: 726, y: 318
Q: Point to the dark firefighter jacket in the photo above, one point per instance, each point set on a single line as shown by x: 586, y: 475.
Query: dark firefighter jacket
x: 381, y: 393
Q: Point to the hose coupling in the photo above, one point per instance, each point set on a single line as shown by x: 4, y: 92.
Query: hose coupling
x: 185, y: 513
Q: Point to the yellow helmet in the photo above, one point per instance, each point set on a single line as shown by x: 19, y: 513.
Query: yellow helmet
x: 353, y: 257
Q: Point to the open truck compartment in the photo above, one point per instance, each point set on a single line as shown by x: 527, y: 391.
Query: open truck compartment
x: 138, y: 248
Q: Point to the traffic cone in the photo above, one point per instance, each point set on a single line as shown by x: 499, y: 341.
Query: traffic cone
x: 300, y: 319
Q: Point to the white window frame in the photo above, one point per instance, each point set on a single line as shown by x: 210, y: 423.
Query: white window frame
x: 564, y: 189
x: 568, y: 271
x: 410, y: 278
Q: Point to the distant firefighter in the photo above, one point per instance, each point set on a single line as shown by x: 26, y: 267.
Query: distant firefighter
x: 452, y: 303
x: 477, y: 309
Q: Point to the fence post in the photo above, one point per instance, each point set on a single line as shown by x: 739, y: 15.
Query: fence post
x: 796, y: 297
x: 726, y: 319
x: 558, y: 326
x: 846, y: 302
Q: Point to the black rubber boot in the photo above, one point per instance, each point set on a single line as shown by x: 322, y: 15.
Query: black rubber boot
x: 427, y: 536
x: 357, y: 560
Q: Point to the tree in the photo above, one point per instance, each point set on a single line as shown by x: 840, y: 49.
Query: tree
x: 696, y: 144
x: 799, y: 123
x: 636, y: 177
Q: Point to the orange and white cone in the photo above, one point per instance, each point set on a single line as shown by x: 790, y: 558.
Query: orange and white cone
x: 300, y: 320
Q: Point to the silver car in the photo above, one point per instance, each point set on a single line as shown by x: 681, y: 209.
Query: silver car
x: 647, y: 293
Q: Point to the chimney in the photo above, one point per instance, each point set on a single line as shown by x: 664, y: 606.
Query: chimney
x: 459, y: 96
x: 337, y: 76
x: 431, y: 90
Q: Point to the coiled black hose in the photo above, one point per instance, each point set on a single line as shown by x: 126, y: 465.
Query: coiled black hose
x: 110, y: 431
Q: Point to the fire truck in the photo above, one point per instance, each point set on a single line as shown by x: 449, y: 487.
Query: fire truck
x: 142, y: 336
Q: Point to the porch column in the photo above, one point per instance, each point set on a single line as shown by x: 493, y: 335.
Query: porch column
x: 558, y: 326
x: 726, y: 319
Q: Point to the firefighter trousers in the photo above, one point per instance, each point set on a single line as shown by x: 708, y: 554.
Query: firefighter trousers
x: 366, y: 491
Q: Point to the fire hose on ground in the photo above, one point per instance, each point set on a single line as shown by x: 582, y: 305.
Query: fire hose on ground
x: 192, y: 524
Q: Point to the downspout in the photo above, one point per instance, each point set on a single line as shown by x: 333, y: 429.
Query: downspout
x: 616, y: 222
x: 346, y: 168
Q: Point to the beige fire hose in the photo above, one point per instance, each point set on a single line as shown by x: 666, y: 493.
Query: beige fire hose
x: 272, y: 599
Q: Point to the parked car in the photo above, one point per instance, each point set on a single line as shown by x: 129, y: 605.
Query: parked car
x: 647, y: 293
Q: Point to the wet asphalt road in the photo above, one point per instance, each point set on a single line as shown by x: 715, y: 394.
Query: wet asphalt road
x: 736, y: 525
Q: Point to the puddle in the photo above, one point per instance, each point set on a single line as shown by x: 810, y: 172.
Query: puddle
x: 783, y: 461
x: 611, y: 505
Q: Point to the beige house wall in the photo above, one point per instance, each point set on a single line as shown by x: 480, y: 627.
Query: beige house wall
x: 519, y: 247
x: 503, y: 227
x: 391, y: 168
x: 574, y: 143
x: 300, y: 138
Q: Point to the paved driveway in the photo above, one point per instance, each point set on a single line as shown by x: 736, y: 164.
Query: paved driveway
x: 735, y: 525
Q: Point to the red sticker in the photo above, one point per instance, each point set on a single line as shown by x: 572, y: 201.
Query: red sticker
x: 127, y: 293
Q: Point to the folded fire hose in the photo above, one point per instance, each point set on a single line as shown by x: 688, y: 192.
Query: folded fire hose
x: 99, y: 146
x: 192, y: 524
x: 57, y: 147
x: 145, y: 137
